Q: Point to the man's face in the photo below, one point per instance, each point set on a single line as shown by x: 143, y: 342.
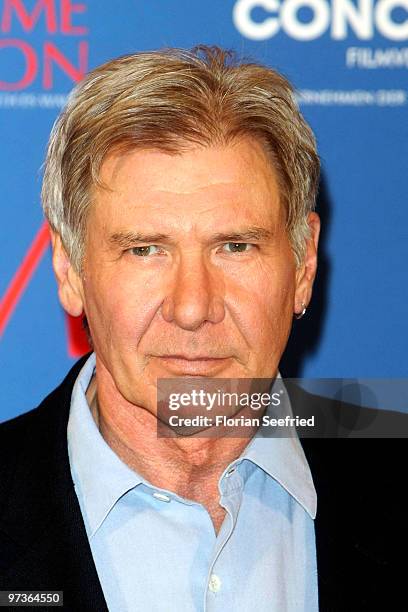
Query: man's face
x: 188, y: 268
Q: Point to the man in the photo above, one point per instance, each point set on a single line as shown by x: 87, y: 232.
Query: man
x: 180, y: 190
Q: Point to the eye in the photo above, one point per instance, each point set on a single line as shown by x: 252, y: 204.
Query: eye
x: 237, y: 247
x: 144, y: 251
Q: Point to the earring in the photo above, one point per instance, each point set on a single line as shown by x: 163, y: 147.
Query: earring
x: 300, y: 315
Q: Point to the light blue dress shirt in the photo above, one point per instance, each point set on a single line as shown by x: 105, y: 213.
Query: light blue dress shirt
x: 155, y: 551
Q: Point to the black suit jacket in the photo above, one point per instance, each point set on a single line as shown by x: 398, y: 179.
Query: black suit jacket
x: 361, y: 531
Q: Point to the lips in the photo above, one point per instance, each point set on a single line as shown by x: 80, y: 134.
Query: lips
x: 197, y: 365
x: 192, y: 357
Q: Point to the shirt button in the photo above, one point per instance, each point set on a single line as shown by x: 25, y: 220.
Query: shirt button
x: 215, y: 583
x: 161, y: 496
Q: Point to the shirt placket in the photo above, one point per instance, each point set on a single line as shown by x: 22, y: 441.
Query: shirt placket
x: 231, y: 488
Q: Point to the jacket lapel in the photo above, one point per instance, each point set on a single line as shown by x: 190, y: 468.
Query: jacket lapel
x: 360, y: 523
x: 41, y: 527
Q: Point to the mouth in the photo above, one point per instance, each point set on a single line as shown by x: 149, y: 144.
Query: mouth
x: 197, y: 365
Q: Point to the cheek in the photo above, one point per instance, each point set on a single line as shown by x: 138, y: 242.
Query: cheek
x: 264, y: 312
x: 264, y: 302
x: 119, y: 311
x: 274, y: 321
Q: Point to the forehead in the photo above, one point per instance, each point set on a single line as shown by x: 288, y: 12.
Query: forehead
x: 204, y: 185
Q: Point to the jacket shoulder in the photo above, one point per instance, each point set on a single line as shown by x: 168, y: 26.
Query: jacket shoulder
x: 25, y: 437
x: 335, y: 418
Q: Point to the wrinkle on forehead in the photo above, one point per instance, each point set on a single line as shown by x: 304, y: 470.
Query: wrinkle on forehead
x: 192, y: 170
x: 197, y: 188
x: 205, y: 186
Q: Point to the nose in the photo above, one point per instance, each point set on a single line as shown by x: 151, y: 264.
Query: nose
x: 195, y: 294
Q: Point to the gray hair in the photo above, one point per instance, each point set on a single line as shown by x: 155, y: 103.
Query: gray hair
x: 169, y: 100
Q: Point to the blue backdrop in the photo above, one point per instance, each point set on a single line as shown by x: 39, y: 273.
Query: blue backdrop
x: 348, y: 60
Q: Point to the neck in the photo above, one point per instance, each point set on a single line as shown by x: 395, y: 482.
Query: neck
x: 190, y: 467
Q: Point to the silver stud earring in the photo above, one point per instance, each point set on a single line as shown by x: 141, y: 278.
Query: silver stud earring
x: 300, y: 315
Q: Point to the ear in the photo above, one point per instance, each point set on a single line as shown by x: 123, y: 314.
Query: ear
x: 69, y: 282
x: 306, y: 273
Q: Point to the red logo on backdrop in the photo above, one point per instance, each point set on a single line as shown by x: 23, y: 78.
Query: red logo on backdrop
x: 37, y: 65
x: 77, y: 340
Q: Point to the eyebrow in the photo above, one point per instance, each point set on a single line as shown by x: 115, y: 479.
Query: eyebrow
x: 125, y: 240
x: 248, y: 234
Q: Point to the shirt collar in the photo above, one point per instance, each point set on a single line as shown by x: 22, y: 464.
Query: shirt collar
x: 100, y: 477
x: 283, y: 458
